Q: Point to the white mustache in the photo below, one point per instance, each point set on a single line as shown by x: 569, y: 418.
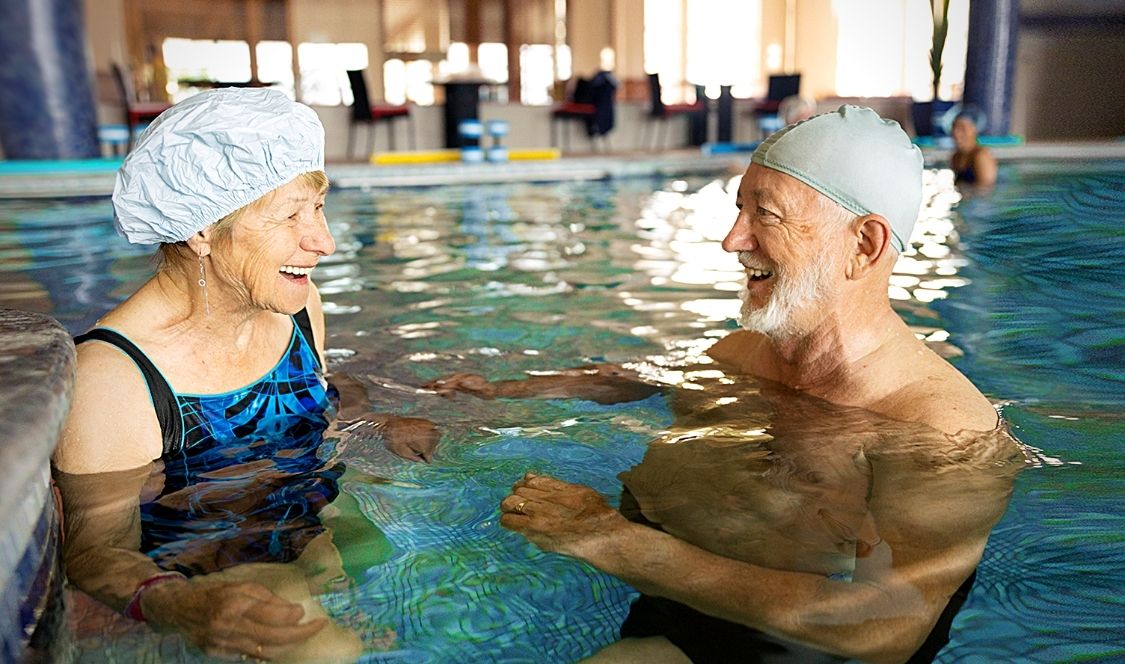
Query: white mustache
x: 749, y: 262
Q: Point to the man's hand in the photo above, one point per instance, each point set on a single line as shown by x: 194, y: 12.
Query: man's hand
x: 562, y: 517
x: 229, y: 620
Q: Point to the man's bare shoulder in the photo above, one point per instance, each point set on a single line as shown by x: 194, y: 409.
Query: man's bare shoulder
x: 740, y: 350
x: 942, y: 398
x: 111, y: 425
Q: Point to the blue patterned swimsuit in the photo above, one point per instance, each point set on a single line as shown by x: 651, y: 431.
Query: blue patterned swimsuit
x: 242, y: 477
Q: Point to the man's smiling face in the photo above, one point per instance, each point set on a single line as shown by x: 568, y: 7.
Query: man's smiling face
x: 788, y: 237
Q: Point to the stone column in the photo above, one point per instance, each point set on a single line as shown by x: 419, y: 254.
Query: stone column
x: 991, y: 60
x: 47, y: 106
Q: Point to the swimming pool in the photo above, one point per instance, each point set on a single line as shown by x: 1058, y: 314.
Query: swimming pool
x: 1017, y: 287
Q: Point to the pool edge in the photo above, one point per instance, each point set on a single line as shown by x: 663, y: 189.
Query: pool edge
x: 38, y: 359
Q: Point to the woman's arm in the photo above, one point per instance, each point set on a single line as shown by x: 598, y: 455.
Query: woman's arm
x: 102, y: 463
x: 985, y: 167
x: 412, y: 438
x: 111, y: 425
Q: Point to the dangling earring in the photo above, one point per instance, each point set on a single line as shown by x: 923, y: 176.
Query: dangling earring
x: 203, y: 284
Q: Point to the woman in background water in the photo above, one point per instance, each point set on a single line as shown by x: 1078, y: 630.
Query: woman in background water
x: 972, y: 163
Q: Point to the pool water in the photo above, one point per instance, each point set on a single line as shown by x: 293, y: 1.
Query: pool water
x: 1017, y: 287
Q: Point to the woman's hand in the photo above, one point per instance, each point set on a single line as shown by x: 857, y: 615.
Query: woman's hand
x: 411, y: 438
x: 566, y: 518
x: 227, y: 619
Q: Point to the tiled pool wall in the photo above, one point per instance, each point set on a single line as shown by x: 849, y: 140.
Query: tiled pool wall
x: 37, y: 362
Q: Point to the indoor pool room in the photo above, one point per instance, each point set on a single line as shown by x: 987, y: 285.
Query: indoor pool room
x: 1014, y: 287
x: 560, y: 331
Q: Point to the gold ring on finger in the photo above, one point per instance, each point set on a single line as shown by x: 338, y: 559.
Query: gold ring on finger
x: 518, y: 509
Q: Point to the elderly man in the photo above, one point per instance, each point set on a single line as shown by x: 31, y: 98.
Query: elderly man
x: 832, y: 509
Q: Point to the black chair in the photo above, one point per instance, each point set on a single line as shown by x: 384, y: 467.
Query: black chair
x: 765, y: 110
x: 366, y: 113
x: 660, y: 113
x: 593, y: 102
x: 136, y: 112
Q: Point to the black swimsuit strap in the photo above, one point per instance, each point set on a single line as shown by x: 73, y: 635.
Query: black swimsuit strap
x: 163, y: 400
x: 305, y: 326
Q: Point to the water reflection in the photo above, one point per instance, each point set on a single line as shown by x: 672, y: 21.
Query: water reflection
x: 63, y: 259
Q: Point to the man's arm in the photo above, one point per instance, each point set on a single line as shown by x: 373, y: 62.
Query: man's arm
x: 603, y: 383
x: 903, y: 579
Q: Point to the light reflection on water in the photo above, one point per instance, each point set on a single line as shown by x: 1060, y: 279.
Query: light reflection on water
x: 508, y: 281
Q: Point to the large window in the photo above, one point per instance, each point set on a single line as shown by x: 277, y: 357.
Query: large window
x: 193, y: 63
x: 537, y: 74
x: 883, y: 48
x: 664, y: 46
x: 408, y: 81
x: 493, y: 60
x: 275, y: 65
x: 704, y: 42
x: 724, y: 46
x: 324, y: 79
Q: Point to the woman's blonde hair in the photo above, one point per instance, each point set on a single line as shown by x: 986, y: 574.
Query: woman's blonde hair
x: 174, y: 254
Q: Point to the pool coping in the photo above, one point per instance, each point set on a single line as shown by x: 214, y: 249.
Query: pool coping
x: 38, y: 360
x: 94, y: 178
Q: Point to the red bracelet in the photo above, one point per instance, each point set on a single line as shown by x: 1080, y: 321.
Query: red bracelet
x: 133, y: 608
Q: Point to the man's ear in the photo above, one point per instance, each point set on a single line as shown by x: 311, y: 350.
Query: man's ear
x: 200, y: 243
x: 872, y: 234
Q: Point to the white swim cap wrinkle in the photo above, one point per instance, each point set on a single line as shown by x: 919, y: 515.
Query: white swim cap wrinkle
x: 210, y: 155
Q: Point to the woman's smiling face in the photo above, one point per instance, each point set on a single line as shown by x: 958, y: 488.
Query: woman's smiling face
x: 269, y: 252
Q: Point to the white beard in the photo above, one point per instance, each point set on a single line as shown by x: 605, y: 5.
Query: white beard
x: 790, y: 294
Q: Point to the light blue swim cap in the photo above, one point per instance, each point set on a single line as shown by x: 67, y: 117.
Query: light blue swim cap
x: 208, y: 156
x: 851, y: 155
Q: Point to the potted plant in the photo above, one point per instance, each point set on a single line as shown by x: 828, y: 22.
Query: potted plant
x: 926, y: 114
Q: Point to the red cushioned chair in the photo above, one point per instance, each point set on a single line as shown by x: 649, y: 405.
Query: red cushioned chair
x: 660, y: 113
x: 579, y: 107
x: 364, y: 112
x: 136, y: 112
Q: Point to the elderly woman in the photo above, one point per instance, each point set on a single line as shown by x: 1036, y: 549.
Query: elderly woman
x: 195, y: 442
x: 972, y: 163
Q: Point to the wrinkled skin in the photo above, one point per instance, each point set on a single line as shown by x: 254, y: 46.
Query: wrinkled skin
x: 558, y: 516
x: 230, y: 618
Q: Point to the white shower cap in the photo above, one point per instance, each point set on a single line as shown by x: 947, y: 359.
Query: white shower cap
x: 210, y: 155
